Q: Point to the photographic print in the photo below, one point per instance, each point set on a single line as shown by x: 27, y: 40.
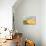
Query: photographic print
x: 31, y: 20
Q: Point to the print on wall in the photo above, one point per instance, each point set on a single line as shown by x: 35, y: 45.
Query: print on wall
x: 31, y: 20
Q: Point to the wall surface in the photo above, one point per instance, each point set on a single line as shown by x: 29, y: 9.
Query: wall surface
x: 6, y: 18
x: 26, y: 9
x: 6, y: 13
x: 43, y: 13
x: 29, y: 8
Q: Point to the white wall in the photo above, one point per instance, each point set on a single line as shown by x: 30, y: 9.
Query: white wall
x: 6, y: 16
x: 26, y: 9
x: 31, y: 8
x: 43, y: 10
x: 6, y: 13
